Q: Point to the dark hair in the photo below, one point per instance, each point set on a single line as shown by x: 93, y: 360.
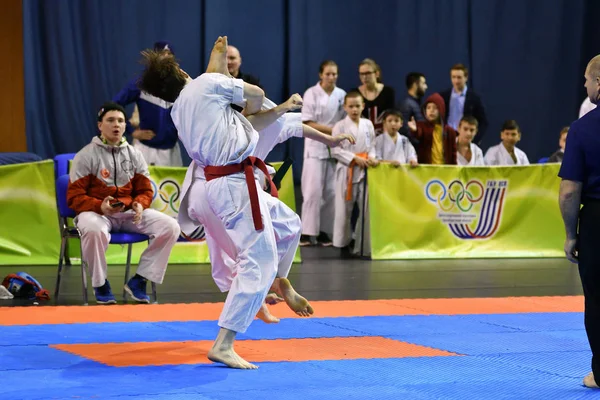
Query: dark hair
x: 469, y: 119
x: 326, y: 63
x: 412, y: 78
x: 563, y: 131
x: 460, y: 67
x: 162, y: 76
x: 351, y: 95
x: 163, y: 45
x: 392, y: 111
x: 109, y: 106
x: 510, y: 125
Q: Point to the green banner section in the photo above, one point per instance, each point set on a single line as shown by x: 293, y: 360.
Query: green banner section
x: 29, y: 231
x: 454, y: 212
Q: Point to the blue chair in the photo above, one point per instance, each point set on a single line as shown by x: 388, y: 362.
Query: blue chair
x: 61, y: 164
x: 72, y: 232
x: 61, y: 167
x: 543, y: 160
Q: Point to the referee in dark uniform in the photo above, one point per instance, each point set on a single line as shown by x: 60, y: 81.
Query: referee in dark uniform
x: 580, y: 173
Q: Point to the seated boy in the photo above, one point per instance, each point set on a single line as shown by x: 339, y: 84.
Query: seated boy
x: 109, y: 189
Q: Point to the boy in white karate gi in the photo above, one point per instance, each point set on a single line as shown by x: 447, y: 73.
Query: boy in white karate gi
x: 467, y: 152
x: 221, y: 141
x: 392, y: 147
x: 507, y: 153
x: 350, y: 174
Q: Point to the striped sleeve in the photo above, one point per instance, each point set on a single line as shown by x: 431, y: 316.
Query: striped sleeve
x: 80, y: 180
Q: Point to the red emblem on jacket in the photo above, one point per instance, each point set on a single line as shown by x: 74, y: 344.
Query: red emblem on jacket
x: 105, y: 174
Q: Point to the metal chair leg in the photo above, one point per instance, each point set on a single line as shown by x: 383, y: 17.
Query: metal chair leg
x: 60, y: 266
x: 127, y: 266
x: 83, y: 277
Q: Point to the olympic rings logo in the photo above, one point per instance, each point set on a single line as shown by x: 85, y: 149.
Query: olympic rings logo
x: 464, y: 197
x: 168, y: 192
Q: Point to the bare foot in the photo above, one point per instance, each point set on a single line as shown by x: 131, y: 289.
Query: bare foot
x: 297, y: 303
x: 218, y: 57
x: 265, y: 315
x: 589, y: 381
x: 273, y: 298
x: 230, y: 358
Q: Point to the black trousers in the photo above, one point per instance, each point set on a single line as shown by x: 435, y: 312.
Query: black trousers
x: 589, y: 271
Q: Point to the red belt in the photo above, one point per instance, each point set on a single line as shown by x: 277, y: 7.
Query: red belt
x: 247, y: 166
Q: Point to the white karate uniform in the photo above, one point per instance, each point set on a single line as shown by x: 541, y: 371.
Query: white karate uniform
x: 364, y: 134
x: 476, y: 157
x: 498, y: 155
x: 214, y: 134
x: 318, y: 171
x: 160, y: 157
x: 401, y: 151
x: 244, y: 261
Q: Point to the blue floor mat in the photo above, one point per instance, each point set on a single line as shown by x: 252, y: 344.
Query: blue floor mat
x: 495, y: 343
x: 419, y: 378
x: 508, y: 356
x: 534, y: 321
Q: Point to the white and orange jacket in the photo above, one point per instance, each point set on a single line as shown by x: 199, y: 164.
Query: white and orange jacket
x: 100, y: 170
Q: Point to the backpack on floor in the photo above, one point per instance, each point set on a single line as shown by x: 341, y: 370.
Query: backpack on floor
x: 23, y: 285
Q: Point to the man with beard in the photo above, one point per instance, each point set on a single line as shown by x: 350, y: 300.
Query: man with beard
x: 410, y: 107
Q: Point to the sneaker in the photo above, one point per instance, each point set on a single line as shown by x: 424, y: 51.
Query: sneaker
x: 104, y: 294
x: 324, y: 240
x: 136, y: 288
x: 306, y: 240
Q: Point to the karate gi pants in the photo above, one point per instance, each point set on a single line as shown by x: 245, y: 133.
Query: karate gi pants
x: 342, y: 228
x: 318, y: 194
x: 245, y: 262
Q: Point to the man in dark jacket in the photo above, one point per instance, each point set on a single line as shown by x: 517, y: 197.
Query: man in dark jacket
x: 462, y: 101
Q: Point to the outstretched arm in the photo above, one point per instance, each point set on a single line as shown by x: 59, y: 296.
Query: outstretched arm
x: 320, y: 127
x: 331, y: 141
x: 261, y: 119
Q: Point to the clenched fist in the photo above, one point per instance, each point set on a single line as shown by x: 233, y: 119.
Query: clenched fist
x: 294, y: 102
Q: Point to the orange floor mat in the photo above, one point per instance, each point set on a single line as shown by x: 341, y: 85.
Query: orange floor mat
x: 194, y: 352
x: 323, y: 309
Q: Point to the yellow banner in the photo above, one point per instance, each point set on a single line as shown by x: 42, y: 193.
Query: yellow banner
x: 465, y: 212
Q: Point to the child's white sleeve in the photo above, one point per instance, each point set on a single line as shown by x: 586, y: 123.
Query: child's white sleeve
x: 341, y: 153
x: 379, y: 146
x: 490, y: 157
x: 371, y: 149
x: 309, y: 106
x: 411, y: 152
